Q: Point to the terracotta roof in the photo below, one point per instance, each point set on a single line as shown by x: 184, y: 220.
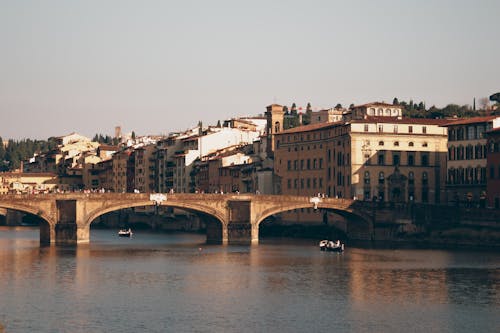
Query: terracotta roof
x: 311, y: 127
x: 495, y: 131
x: 108, y: 147
x: 473, y: 120
x: 404, y: 120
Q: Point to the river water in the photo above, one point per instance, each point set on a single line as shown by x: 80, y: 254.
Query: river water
x: 176, y: 283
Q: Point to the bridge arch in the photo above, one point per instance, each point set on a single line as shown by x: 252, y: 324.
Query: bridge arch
x: 353, y: 216
x: 215, y: 221
x: 47, y: 222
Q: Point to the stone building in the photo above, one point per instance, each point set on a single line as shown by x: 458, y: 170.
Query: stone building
x: 467, y: 152
x: 383, y: 157
x: 493, y: 168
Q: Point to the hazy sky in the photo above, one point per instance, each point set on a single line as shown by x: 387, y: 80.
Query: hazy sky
x: 160, y: 66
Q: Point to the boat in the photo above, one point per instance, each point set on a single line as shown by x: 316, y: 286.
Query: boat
x: 125, y: 233
x: 331, y: 246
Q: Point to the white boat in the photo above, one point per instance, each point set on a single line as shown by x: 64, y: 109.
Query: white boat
x: 125, y: 233
x: 331, y: 246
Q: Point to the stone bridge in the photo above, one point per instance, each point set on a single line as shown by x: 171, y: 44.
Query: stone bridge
x: 229, y: 218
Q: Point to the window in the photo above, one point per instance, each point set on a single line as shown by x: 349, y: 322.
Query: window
x: 492, y: 173
x: 424, y: 144
x: 411, y: 178
x: 381, y: 159
x: 410, y: 144
x: 295, y: 183
x: 410, y: 129
x: 425, y: 179
x: 366, y: 128
x: 367, y: 178
x: 380, y: 128
x: 289, y: 184
x: 381, y: 178
x: 396, y: 143
x: 289, y: 165
x: 396, y: 159
x: 411, y: 158
x: 425, y: 159
x: 424, y: 129
x: 395, y: 128
x: 381, y: 143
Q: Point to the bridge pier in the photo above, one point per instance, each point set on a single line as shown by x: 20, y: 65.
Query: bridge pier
x: 241, y: 229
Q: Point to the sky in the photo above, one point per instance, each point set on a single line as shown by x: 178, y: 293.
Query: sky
x: 154, y: 67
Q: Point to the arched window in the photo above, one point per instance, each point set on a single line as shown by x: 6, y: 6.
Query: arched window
x: 371, y: 111
x: 381, y: 178
x: 410, y: 144
x: 276, y: 127
x: 411, y: 178
x: 367, y: 177
x: 381, y: 143
x: 380, y: 112
x: 396, y: 143
x: 424, y: 144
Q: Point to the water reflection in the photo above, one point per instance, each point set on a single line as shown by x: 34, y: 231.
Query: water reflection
x: 158, y: 282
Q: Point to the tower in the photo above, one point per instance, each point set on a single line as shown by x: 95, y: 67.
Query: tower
x: 274, y: 116
x: 118, y: 132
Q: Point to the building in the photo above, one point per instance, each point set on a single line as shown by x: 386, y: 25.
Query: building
x: 370, y: 157
x: 19, y: 182
x: 144, y: 168
x: 493, y: 168
x: 329, y: 115
x: 467, y: 158
x: 123, y: 171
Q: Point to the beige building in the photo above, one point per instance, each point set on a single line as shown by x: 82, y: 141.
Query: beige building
x: 329, y: 115
x: 386, y: 158
x: 18, y: 182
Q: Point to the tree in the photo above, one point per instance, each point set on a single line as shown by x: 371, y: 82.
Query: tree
x: 338, y: 106
x: 133, y: 135
x: 395, y: 101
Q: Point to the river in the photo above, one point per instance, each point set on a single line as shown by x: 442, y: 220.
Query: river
x: 157, y: 282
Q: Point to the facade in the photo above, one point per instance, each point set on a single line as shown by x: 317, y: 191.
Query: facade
x: 123, y: 171
x: 467, y: 158
x: 144, y: 168
x: 329, y: 115
x: 493, y: 168
x: 383, y: 158
x: 19, y: 182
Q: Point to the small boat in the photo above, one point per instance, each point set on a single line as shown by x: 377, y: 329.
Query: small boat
x: 125, y: 233
x: 331, y: 246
